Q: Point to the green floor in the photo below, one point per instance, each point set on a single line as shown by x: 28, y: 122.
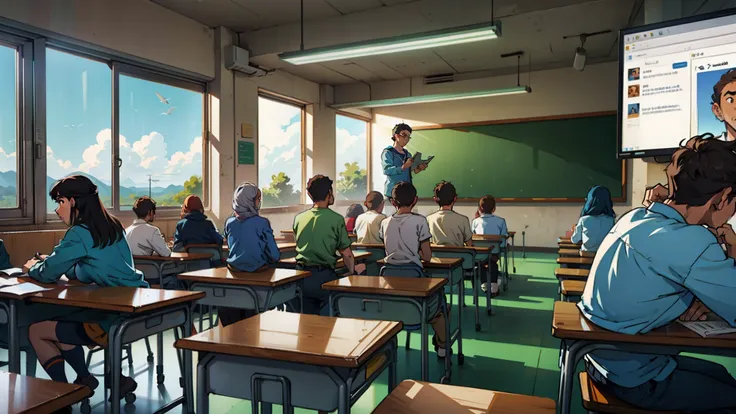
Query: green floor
x: 513, y: 352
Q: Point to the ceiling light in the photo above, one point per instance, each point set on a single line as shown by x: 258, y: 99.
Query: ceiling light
x: 442, y: 97
x: 446, y: 37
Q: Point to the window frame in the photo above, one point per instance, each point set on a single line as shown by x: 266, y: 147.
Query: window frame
x: 119, y: 68
x: 368, y: 153
x: 302, y: 106
x: 24, y: 129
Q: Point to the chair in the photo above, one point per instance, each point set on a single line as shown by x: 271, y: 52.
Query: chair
x: 596, y: 400
x: 392, y: 270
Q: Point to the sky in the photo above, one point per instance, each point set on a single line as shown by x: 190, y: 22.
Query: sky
x: 351, y: 142
x: 707, y: 122
x: 156, y: 138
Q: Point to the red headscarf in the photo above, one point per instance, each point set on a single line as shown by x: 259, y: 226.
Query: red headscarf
x: 191, y: 203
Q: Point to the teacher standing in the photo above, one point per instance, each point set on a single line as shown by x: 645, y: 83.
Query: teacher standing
x: 396, y: 160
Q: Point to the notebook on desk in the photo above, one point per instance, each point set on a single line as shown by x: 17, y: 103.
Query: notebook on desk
x: 13, y: 271
x: 708, y: 329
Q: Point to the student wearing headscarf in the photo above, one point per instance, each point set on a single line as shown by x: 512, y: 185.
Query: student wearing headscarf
x: 194, y: 227
x: 251, y: 242
x: 596, y: 219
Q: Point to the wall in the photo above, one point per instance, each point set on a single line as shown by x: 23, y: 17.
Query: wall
x: 137, y: 27
x: 555, y: 92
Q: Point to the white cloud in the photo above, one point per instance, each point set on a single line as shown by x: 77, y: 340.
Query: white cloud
x: 346, y: 141
x: 187, y: 163
x: 276, y: 132
x: 7, y: 160
x: 57, y: 167
x: 288, y: 155
x: 150, y: 148
x: 91, y: 155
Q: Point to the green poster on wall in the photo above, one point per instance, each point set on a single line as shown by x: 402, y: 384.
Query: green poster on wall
x: 246, y: 153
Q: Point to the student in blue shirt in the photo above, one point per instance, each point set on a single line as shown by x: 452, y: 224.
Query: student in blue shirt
x: 485, y: 222
x: 596, y: 219
x: 195, y: 228
x: 251, y: 241
x: 396, y: 160
x: 93, y: 250
x: 662, y: 262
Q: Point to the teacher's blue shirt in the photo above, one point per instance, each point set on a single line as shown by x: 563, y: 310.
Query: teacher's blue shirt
x: 392, y: 160
x: 647, y: 271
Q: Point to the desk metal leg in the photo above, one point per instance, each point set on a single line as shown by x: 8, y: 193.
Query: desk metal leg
x: 203, y: 391
x: 116, y: 355
x: 476, y: 286
x: 160, y: 358
x: 13, y: 339
x: 424, y: 338
x: 188, y: 390
x: 343, y: 399
x: 460, y: 356
x: 392, y: 364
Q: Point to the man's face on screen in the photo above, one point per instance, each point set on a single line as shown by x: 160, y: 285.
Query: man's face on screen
x: 725, y: 110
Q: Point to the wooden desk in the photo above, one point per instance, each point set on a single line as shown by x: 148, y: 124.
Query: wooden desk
x: 564, y: 273
x: 472, y: 256
x: 258, y: 291
x: 176, y: 258
x: 580, y: 336
x: 568, y: 253
x: 564, y: 239
x: 408, y: 300
x: 575, y: 262
x: 571, y: 288
x: 288, y: 235
x: 360, y: 257
x: 584, y: 253
x: 495, y: 240
x: 568, y: 246
x: 286, y: 247
x: 328, y: 353
x: 447, y: 267
x: 149, y: 311
x: 415, y: 397
x: 28, y: 395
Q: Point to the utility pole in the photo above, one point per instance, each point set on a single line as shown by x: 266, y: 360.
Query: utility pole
x: 150, y: 180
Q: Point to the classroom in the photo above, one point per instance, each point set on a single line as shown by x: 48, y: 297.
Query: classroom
x: 367, y: 206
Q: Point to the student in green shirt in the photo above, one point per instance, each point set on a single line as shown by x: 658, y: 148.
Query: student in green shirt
x: 319, y: 233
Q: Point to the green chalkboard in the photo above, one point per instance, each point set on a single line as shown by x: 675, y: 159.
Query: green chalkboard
x: 246, y: 153
x: 527, y: 160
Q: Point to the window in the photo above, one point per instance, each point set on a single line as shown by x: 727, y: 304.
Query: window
x: 351, y: 151
x: 160, y: 145
x: 280, y: 157
x: 9, y: 96
x: 78, y: 122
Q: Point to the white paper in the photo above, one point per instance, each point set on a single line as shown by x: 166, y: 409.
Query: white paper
x: 709, y: 328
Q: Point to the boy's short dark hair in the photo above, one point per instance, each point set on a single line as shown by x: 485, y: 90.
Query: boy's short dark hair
x: 399, y: 128
x: 700, y: 169
x: 319, y: 187
x: 143, y: 206
x: 487, y: 204
x: 373, y: 200
x: 444, y: 193
x: 403, y: 194
x: 726, y: 78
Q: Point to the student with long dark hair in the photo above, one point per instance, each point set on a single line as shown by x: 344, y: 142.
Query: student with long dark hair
x: 596, y: 219
x: 93, y: 250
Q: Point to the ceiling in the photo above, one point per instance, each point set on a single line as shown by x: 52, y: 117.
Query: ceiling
x: 250, y: 15
x: 536, y: 27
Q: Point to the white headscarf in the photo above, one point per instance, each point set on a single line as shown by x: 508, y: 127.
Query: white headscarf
x: 244, y: 200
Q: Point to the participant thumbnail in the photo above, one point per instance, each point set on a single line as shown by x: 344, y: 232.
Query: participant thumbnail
x: 633, y: 111
x: 634, y: 74
x: 716, y: 103
x: 634, y: 91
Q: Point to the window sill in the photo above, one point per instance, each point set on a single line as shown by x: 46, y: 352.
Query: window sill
x: 285, y: 209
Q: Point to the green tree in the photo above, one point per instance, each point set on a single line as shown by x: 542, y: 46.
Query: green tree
x: 191, y: 186
x: 352, y: 183
x: 280, y: 192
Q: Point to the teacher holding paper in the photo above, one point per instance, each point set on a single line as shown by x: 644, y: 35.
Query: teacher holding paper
x: 397, y: 161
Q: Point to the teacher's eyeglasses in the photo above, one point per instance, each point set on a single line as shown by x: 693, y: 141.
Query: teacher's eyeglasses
x: 407, y: 136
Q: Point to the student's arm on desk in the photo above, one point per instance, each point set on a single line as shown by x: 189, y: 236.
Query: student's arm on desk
x: 712, y: 279
x: 577, y: 235
x: 61, y: 261
x: 158, y: 243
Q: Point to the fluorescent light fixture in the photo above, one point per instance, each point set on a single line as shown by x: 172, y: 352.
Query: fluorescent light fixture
x: 445, y: 37
x: 442, y: 97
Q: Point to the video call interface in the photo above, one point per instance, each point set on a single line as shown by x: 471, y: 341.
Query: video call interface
x: 678, y: 82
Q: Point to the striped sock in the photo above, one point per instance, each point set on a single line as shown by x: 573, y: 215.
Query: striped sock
x: 55, y: 368
x: 75, y: 358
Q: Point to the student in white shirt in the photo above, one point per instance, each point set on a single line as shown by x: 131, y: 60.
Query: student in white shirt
x: 144, y: 238
x: 406, y: 236
x: 368, y: 224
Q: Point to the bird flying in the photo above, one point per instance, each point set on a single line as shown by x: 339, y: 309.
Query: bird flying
x: 162, y: 99
x: 169, y: 111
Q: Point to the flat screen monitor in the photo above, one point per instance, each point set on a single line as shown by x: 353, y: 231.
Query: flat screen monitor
x: 677, y: 79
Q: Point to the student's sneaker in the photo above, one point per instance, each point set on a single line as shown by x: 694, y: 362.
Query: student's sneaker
x: 484, y: 287
x: 441, y: 352
x: 494, y: 289
x: 89, y: 381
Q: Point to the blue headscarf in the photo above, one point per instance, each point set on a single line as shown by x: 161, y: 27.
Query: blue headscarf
x: 598, y: 202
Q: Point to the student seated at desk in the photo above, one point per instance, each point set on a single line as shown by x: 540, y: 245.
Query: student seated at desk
x: 485, y: 222
x: 650, y: 269
x: 195, y: 228
x: 448, y: 228
x: 596, y: 219
x: 144, y: 238
x: 319, y: 233
x: 368, y: 224
x: 406, y: 236
x: 354, y: 211
x: 251, y: 241
x: 93, y: 250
